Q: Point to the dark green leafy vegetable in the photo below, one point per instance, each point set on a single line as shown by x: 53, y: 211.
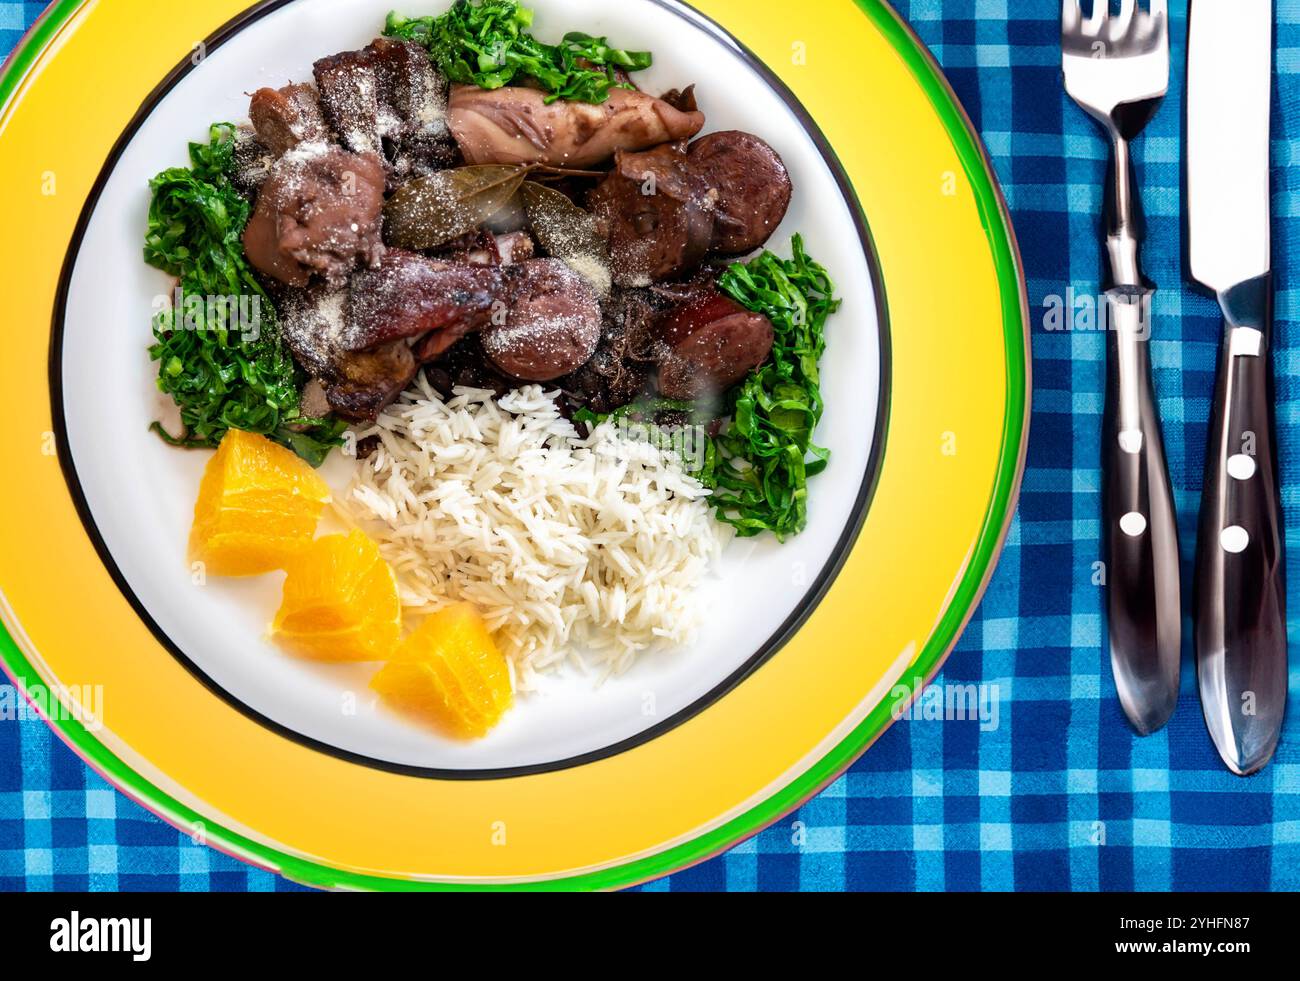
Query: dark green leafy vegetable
x: 641, y: 410
x: 431, y: 211
x: 486, y: 43
x: 218, y: 346
x: 767, y: 453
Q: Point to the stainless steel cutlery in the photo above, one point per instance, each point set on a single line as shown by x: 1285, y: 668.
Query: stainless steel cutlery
x: 1117, y: 69
x: 1240, y: 611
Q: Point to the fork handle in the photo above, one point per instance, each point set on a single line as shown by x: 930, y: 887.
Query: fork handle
x: 1241, y: 638
x: 1144, y: 609
x: 1124, y: 221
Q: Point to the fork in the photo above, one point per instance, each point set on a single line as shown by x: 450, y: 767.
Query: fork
x: 1117, y: 69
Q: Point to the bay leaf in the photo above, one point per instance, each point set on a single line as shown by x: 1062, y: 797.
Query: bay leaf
x: 432, y: 210
x: 563, y: 229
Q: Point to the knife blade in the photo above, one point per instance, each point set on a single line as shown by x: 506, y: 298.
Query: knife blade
x: 1240, y: 605
x: 1229, y: 86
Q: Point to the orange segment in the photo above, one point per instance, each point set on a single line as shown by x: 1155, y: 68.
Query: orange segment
x: 340, y: 602
x: 258, y: 507
x: 450, y: 672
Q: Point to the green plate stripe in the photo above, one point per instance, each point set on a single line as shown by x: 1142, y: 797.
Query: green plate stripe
x: 1006, y: 486
x: 30, y: 46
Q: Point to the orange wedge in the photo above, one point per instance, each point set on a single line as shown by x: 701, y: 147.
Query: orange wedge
x: 258, y: 507
x: 340, y: 602
x: 449, y: 672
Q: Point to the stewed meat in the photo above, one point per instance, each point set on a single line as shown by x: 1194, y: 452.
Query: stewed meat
x: 283, y: 118
x: 483, y: 248
x: 658, y: 214
x: 252, y: 162
x: 409, y: 87
x: 349, y: 88
x: 357, y: 384
x: 367, y: 382
x: 366, y: 340
x: 513, y: 248
x: 710, y: 343
x: 361, y: 319
x: 753, y: 188
x: 620, y: 370
x: 552, y: 327
x: 317, y: 213
x: 682, y: 99
x: 408, y: 296
x: 515, y: 125
x: 386, y: 99
x: 311, y: 321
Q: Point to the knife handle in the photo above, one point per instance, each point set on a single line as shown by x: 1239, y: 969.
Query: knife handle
x: 1241, y: 642
x: 1144, y: 606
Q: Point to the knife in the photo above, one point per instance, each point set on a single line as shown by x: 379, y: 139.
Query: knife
x: 1240, y: 608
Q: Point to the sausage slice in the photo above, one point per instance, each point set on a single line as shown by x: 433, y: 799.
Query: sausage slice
x: 552, y: 327
x: 658, y: 214
x: 710, y: 344
x: 752, y: 185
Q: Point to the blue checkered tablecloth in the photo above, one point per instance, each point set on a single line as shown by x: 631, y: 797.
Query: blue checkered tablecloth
x: 1057, y: 794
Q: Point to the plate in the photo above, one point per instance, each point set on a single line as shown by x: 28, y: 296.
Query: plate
x: 170, y: 689
x: 218, y: 629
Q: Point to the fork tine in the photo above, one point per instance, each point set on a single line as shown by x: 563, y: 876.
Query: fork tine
x: 1157, y: 23
x: 1071, y: 16
x: 1125, y: 19
x: 1100, y: 14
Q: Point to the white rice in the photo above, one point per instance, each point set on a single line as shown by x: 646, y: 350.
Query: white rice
x: 580, y: 551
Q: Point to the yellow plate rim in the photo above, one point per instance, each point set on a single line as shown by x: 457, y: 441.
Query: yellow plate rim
x: 978, y: 571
